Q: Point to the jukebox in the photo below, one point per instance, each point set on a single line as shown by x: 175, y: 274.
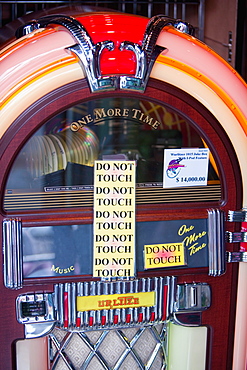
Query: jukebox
x: 123, y: 153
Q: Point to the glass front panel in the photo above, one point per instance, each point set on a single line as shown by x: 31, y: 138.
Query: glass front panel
x: 68, y: 249
x: 55, y: 167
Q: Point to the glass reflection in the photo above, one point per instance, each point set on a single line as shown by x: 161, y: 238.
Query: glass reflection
x: 63, y: 151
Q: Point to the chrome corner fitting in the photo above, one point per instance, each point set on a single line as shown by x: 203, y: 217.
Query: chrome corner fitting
x: 89, y: 53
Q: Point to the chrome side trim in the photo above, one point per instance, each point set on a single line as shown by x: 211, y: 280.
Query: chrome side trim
x: 87, y: 52
x: 216, y: 242
x: 12, y: 253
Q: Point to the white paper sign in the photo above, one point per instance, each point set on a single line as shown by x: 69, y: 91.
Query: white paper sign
x: 185, y: 167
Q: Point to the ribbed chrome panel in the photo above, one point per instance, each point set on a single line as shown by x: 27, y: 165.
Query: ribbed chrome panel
x: 144, y: 195
x: 68, y: 317
x: 12, y: 253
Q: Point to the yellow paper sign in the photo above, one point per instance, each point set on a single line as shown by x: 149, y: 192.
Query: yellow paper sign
x: 164, y: 255
x: 111, y: 301
x: 114, y: 219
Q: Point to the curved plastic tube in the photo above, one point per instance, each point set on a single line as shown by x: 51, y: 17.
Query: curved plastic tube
x: 32, y: 354
x: 187, y: 347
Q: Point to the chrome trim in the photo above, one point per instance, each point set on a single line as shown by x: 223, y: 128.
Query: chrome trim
x: 236, y: 256
x: 88, y: 59
x: 183, y: 304
x: 192, y: 297
x: 27, y: 28
x: 60, y: 308
x: 37, y: 313
x: 89, y: 54
x: 237, y: 216
x: 12, y: 253
x: 187, y: 302
x: 236, y: 237
x: 184, y: 27
x: 216, y: 242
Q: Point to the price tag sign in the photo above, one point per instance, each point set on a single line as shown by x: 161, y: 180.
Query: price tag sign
x: 185, y: 167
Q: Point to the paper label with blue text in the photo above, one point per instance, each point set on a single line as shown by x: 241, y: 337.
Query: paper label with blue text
x: 185, y: 167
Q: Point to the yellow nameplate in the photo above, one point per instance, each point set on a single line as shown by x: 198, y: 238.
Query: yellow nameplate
x: 111, y: 301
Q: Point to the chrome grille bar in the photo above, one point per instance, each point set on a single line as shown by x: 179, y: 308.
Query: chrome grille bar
x: 70, y: 318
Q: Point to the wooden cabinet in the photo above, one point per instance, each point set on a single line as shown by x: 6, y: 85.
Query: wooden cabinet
x: 85, y: 90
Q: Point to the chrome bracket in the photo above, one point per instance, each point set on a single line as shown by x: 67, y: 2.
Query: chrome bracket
x: 237, y: 216
x: 236, y: 257
x: 236, y: 237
